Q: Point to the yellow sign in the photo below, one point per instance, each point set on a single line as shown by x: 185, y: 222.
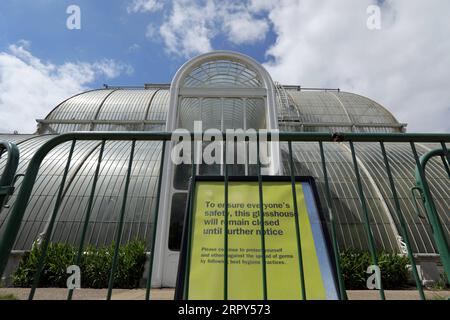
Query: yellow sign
x: 206, y: 278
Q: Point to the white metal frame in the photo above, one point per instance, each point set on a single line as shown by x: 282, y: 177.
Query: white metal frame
x: 165, y: 261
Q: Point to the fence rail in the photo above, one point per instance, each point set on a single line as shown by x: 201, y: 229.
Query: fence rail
x: 12, y: 226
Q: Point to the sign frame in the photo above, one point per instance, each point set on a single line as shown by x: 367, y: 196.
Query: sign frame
x: 180, y: 292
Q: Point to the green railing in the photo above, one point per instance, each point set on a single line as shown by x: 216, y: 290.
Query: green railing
x: 7, y: 177
x: 433, y: 218
x: 13, y: 224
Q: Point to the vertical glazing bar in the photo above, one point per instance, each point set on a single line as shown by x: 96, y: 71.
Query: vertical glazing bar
x: 447, y: 168
x: 120, y: 226
x: 297, y: 226
x: 88, y: 212
x: 402, y: 223
x: 261, y: 213
x: 342, y: 292
x: 48, y: 233
x: 446, y: 156
x: 190, y: 219
x: 368, y: 229
x: 225, y: 234
x: 446, y: 153
x: 155, y: 223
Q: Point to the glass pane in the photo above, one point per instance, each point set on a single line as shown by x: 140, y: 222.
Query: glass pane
x: 255, y: 114
x: 222, y: 74
x: 177, y: 220
x: 189, y: 111
x: 212, y: 114
x: 233, y: 114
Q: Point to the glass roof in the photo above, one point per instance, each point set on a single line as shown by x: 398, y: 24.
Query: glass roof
x: 146, y: 109
x: 109, y: 192
x: 126, y: 105
x: 145, y: 170
x: 333, y: 110
x: 222, y: 74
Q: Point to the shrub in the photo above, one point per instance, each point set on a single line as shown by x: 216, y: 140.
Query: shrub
x: 23, y: 276
x: 95, y: 266
x: 394, y: 270
x: 131, y: 265
x: 393, y: 267
x: 441, y: 284
x: 354, y: 265
x: 59, y: 256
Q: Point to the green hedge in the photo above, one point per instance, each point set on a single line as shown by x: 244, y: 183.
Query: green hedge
x: 95, y: 266
x: 393, y: 267
x: 96, y: 263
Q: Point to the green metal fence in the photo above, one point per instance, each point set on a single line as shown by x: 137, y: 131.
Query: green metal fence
x: 12, y: 226
x: 432, y: 216
x: 7, y: 177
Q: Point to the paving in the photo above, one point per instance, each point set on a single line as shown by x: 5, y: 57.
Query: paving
x: 88, y: 294
x: 396, y: 295
x: 167, y: 294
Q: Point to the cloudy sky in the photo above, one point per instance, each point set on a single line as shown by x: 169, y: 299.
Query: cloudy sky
x: 404, y: 65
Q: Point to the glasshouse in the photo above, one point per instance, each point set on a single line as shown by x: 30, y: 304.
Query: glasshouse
x: 224, y: 90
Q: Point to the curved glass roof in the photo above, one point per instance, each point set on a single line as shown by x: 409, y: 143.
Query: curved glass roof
x: 136, y: 109
x: 83, y: 106
x: 109, y: 191
x: 126, y: 105
x: 332, y: 110
x: 145, y: 170
x: 346, y: 205
x: 146, y: 109
x: 116, y: 109
x: 222, y: 74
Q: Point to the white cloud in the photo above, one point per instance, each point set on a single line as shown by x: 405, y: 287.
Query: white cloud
x: 404, y: 66
x: 145, y: 6
x: 262, y: 5
x: 111, y: 69
x: 190, y: 26
x: 152, y: 32
x: 243, y: 28
x: 30, y: 88
x: 134, y: 47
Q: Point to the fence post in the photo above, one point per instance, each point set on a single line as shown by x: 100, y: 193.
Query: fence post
x: 7, y: 177
x: 430, y: 207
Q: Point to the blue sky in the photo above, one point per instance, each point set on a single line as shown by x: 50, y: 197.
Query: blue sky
x: 403, y: 64
x: 108, y: 30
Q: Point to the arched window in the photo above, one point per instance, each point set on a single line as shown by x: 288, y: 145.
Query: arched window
x: 224, y: 90
x: 226, y: 82
x: 222, y: 74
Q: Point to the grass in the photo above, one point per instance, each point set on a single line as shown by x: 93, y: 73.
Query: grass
x: 8, y: 297
x: 441, y: 284
x: 438, y: 297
